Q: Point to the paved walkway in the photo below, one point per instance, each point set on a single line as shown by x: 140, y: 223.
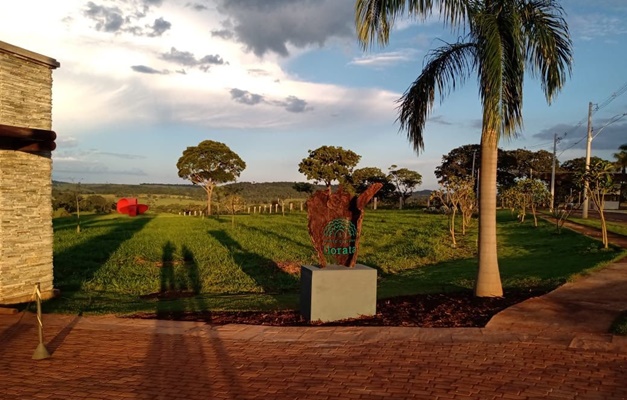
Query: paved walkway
x: 551, y: 347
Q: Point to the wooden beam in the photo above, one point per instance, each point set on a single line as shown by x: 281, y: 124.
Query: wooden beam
x: 30, y: 134
x: 26, y: 145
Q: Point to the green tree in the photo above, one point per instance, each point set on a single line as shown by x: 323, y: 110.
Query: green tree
x: 364, y: 177
x: 459, y: 162
x: 600, y: 182
x: 209, y: 164
x: 567, y: 177
x: 456, y: 194
x: 97, y: 203
x: 502, y: 39
x: 405, y: 181
x: 329, y: 163
x: 528, y: 194
x: 304, y: 187
x: 621, y: 164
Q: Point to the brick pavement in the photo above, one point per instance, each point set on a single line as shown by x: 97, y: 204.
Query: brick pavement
x: 525, y: 352
x: 111, y: 358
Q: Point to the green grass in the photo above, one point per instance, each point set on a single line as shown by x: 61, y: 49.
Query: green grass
x: 614, y: 227
x: 117, y: 264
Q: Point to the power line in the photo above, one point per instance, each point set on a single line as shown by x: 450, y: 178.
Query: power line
x: 611, y: 97
x: 598, y: 107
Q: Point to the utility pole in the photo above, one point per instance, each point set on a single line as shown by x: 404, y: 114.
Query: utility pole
x: 584, y: 211
x: 555, y: 140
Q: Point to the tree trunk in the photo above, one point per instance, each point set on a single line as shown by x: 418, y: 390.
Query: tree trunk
x: 209, y: 190
x: 452, y: 227
x: 488, y: 283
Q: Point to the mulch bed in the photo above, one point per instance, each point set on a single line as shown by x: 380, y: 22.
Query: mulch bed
x: 444, y: 310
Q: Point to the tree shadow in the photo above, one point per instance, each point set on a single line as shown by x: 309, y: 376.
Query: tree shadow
x: 78, y: 264
x: 279, y: 237
x: 265, y: 272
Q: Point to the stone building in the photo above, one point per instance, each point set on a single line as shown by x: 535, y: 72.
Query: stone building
x: 26, y: 143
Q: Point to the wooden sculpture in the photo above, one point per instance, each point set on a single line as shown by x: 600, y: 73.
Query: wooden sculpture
x: 335, y: 223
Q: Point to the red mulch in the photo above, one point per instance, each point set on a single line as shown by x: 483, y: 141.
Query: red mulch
x: 445, y: 310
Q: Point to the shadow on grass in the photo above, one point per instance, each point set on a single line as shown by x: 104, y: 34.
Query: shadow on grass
x: 76, y: 265
x: 265, y: 272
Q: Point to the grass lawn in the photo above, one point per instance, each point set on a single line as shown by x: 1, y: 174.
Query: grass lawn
x: 119, y: 264
x: 613, y: 227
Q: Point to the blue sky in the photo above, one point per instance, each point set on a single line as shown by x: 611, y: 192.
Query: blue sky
x: 141, y: 80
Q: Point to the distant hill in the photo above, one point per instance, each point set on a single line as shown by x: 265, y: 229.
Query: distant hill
x: 263, y: 192
x: 252, y: 192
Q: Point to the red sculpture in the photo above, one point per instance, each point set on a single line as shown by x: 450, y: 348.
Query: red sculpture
x: 335, y: 223
x: 129, y: 206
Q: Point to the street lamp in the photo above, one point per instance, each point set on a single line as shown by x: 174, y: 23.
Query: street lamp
x: 584, y: 212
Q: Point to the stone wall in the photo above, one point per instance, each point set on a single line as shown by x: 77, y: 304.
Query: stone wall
x: 26, y: 236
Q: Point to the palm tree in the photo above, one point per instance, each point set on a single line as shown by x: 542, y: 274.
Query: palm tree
x: 503, y: 39
x: 621, y: 163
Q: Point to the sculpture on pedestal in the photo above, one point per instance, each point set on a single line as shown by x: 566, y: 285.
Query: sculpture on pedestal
x: 335, y: 224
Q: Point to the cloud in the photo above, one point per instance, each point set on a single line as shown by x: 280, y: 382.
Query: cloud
x: 188, y: 59
x: 608, y: 138
x: 196, y: 6
x: 148, y: 70
x: 294, y: 104
x: 159, y: 27
x: 291, y: 103
x: 245, y: 97
x: 439, y: 119
x: 113, y: 19
x: 108, y: 19
x: 122, y: 156
x: 384, y: 60
x: 223, y: 33
x: 272, y: 25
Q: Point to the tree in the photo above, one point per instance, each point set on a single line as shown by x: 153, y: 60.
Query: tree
x: 528, y: 194
x: 502, y: 40
x: 329, y: 163
x: 459, y: 162
x: 304, y: 187
x: 621, y: 164
x: 511, y: 165
x: 233, y: 204
x: 456, y: 194
x: 97, y: 203
x: 600, y: 182
x: 209, y: 164
x: 567, y: 176
x: 405, y: 180
x: 362, y: 178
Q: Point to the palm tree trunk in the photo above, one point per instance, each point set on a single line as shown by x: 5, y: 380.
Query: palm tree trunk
x: 488, y: 283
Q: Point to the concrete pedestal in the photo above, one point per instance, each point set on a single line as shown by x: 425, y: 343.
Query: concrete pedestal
x: 337, y: 292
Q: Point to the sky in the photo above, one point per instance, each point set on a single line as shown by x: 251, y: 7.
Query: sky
x: 141, y: 80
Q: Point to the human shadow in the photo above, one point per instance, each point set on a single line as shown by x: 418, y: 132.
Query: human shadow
x: 265, y: 272
x: 175, y: 359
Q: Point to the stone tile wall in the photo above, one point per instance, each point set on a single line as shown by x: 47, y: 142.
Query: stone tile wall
x: 26, y: 235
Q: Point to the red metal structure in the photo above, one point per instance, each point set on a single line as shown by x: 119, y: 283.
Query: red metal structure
x: 129, y: 206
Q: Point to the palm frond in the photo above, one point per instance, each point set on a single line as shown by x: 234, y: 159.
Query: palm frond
x: 447, y: 67
x: 375, y: 18
x: 549, y: 47
x: 513, y: 72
